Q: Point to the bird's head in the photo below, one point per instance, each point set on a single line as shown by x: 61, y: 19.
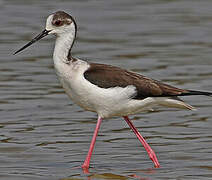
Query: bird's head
x: 58, y: 23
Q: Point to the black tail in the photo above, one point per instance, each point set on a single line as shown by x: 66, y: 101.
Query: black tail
x: 191, y: 92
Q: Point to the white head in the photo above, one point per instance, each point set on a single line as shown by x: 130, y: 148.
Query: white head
x: 59, y: 24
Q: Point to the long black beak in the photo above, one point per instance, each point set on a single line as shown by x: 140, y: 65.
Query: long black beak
x: 38, y: 37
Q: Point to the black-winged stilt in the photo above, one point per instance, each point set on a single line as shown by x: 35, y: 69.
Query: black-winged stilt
x: 107, y: 90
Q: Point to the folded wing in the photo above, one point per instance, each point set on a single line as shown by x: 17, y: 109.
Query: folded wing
x: 106, y: 76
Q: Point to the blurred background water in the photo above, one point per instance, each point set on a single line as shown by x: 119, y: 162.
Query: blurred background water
x: 43, y: 135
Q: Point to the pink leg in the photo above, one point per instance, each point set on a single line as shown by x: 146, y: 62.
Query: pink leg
x: 149, y: 150
x: 88, y: 157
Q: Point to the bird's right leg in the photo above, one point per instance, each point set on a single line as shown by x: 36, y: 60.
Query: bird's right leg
x: 88, y: 157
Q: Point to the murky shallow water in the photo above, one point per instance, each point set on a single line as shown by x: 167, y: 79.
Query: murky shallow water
x: 43, y: 135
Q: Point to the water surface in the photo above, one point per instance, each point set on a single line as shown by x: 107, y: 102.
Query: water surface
x: 43, y: 135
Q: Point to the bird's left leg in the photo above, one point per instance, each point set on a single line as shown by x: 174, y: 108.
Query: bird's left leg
x: 149, y: 150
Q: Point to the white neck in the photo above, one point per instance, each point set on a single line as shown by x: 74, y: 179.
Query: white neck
x: 62, y: 46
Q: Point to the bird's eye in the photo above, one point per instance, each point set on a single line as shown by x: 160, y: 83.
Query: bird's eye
x: 58, y: 22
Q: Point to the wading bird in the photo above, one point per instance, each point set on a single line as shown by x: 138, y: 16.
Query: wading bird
x: 107, y: 90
